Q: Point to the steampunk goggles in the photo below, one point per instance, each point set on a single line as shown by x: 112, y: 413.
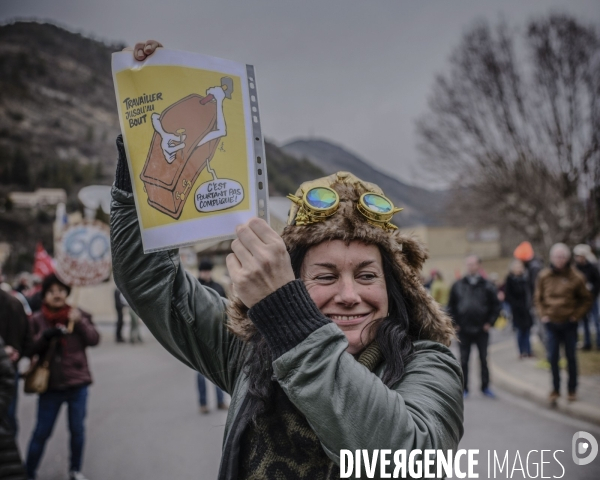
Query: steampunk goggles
x: 320, y: 202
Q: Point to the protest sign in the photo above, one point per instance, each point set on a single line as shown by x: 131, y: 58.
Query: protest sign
x: 82, y: 254
x: 194, y: 147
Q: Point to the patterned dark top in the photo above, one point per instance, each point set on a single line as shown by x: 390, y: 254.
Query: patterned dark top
x: 282, y: 446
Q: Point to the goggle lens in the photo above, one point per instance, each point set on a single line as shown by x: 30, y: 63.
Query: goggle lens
x: 377, y: 203
x: 321, y: 197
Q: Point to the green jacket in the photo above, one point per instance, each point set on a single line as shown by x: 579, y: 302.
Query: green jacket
x: 347, y: 406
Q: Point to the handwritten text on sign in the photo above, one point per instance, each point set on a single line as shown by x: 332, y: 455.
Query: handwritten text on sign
x: 218, y: 194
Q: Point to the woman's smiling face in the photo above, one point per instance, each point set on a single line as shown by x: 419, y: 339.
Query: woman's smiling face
x: 347, y: 284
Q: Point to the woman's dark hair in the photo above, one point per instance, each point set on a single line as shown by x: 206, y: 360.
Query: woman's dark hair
x: 395, y: 335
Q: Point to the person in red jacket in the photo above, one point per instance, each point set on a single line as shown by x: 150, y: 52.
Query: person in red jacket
x: 68, y: 331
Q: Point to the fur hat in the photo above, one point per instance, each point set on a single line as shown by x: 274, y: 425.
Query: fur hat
x: 348, y: 224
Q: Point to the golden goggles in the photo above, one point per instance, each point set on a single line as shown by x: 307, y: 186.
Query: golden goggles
x: 320, y: 202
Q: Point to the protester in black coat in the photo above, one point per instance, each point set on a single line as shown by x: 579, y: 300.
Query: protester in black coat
x: 582, y: 255
x: 533, y: 265
x: 205, y: 278
x: 592, y: 276
x: 16, y: 333
x: 14, y: 326
x: 474, y: 307
x: 11, y: 465
x: 518, y: 296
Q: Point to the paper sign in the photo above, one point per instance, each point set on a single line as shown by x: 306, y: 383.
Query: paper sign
x: 194, y: 147
x: 82, y: 254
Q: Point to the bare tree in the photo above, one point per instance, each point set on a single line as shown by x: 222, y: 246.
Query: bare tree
x: 517, y: 130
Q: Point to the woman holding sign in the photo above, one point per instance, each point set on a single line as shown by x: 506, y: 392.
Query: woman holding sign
x: 329, y: 343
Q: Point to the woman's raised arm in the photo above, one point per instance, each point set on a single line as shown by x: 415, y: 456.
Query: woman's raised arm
x: 187, y: 319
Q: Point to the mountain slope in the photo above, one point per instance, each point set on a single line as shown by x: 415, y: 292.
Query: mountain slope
x: 57, y: 107
x: 286, y: 172
x: 421, y: 206
x: 58, y: 116
x: 58, y: 124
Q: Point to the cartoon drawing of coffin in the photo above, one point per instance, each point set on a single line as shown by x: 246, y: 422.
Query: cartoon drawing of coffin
x: 169, y: 184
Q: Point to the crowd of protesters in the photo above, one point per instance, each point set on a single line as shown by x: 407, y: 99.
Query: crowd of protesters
x: 37, y: 322
x: 557, y: 299
x: 36, y: 319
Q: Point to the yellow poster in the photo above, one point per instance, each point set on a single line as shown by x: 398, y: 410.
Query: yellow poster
x: 189, y: 125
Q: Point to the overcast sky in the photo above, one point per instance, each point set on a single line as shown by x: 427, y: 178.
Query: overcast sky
x: 355, y: 72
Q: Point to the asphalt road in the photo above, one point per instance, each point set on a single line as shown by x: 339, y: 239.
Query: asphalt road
x: 510, y: 427
x: 143, y: 423
x: 143, y: 420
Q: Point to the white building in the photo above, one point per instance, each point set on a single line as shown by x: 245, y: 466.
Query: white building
x: 42, y: 197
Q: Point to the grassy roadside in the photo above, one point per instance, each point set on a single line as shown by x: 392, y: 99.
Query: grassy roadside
x: 588, y: 362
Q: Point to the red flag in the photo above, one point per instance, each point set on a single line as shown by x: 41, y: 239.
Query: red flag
x: 43, y: 265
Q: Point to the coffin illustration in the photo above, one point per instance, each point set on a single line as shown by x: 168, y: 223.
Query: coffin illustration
x: 168, y: 185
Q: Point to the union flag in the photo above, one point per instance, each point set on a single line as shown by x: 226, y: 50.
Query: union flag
x: 44, y: 265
